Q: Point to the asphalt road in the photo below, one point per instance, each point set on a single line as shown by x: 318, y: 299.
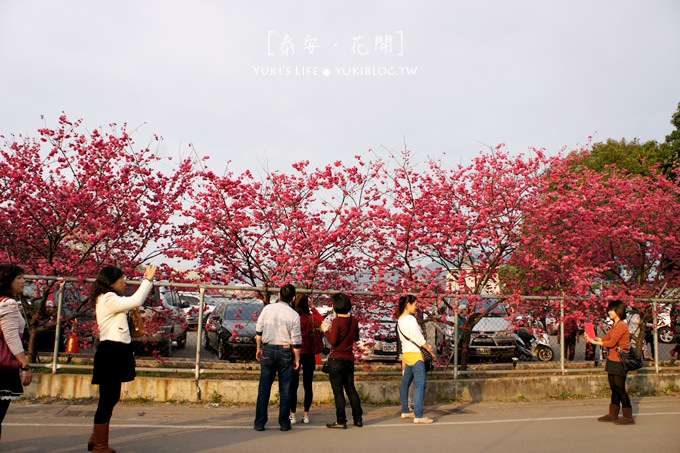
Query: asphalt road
x: 545, y: 426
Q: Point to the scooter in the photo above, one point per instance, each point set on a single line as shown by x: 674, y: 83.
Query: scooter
x: 533, y: 344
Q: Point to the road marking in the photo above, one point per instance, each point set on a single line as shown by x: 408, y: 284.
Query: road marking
x: 299, y: 426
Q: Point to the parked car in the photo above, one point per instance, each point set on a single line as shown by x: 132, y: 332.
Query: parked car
x: 230, y: 329
x: 492, y: 337
x: 378, y: 340
x: 189, y: 305
x: 165, y: 323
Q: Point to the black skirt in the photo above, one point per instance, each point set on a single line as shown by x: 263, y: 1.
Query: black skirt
x: 615, y: 368
x: 10, y: 385
x: 113, y: 362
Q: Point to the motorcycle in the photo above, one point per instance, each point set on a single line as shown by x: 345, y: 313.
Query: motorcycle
x: 533, y: 341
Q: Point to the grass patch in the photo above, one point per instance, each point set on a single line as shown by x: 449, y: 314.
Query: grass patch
x: 563, y: 394
x: 215, y: 397
x: 671, y: 390
x: 139, y: 400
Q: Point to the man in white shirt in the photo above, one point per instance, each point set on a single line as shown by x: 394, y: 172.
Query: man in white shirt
x: 278, y: 351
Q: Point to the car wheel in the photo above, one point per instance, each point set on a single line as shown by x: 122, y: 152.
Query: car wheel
x: 164, y: 348
x: 204, y: 342
x: 221, y: 350
x: 666, y: 335
x: 545, y: 354
x: 182, y: 340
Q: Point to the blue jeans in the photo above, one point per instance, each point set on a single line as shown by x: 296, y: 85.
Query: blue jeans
x: 275, y: 359
x: 418, y: 373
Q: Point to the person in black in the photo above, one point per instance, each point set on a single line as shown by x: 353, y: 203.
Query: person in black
x: 342, y: 335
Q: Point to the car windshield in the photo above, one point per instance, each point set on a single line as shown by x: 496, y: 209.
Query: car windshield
x: 191, y: 300
x: 242, y: 311
x: 483, y: 305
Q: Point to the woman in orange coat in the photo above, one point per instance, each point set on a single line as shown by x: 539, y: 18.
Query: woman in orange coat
x: 617, y: 337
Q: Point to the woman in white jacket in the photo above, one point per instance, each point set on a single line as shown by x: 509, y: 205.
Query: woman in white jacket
x: 17, y: 373
x: 114, y: 362
x: 411, y: 338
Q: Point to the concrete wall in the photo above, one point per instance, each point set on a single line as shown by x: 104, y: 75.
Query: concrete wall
x: 372, y: 392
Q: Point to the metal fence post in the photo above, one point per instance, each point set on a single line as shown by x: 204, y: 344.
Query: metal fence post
x: 57, y: 329
x: 562, y: 334
x: 455, y: 344
x: 656, y: 336
x: 199, y: 340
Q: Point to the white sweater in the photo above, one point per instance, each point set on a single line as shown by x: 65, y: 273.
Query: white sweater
x: 112, y: 313
x: 12, y: 324
x: 408, y: 324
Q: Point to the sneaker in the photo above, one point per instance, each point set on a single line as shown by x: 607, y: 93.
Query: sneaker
x: 305, y: 419
x: 293, y: 420
x: 423, y: 421
x: 408, y: 415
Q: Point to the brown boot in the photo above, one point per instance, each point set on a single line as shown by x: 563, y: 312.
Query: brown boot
x: 626, y: 417
x: 101, y: 439
x: 612, y: 416
x: 90, y: 442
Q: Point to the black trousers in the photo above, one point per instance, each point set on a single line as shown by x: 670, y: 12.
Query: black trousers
x: 4, y: 405
x: 109, y: 395
x: 341, y: 375
x: 618, y: 386
x: 308, y: 365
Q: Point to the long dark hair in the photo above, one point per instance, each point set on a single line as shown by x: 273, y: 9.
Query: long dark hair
x: 403, y: 300
x: 8, y: 272
x: 102, y: 285
x: 302, y: 305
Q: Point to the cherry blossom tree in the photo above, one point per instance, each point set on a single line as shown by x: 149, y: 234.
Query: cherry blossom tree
x: 300, y: 227
x: 462, y: 224
x: 610, y: 233
x: 73, y: 201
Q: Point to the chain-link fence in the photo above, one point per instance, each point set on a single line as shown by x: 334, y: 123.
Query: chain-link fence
x: 495, y: 329
x: 200, y: 326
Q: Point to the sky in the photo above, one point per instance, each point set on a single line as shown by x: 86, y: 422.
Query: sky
x: 253, y: 83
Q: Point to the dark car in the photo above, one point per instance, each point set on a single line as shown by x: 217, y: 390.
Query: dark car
x: 230, y: 329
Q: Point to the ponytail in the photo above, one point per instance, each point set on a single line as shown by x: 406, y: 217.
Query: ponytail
x: 403, y: 300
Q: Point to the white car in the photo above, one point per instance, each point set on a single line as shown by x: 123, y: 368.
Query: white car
x: 189, y: 305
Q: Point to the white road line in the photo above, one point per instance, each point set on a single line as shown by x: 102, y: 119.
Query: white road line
x: 378, y: 425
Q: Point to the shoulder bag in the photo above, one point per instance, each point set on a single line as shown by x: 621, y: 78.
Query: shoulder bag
x: 136, y: 323
x: 315, y: 337
x: 630, y: 360
x: 428, y: 359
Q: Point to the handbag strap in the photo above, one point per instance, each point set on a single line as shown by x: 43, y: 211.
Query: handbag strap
x: 404, y: 335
